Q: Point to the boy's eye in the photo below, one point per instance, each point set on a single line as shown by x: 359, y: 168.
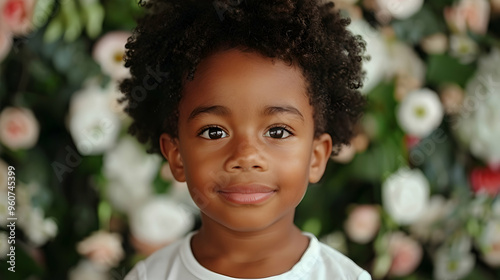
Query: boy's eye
x: 213, y: 133
x: 278, y: 133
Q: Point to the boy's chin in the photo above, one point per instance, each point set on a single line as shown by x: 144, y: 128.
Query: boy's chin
x: 250, y: 221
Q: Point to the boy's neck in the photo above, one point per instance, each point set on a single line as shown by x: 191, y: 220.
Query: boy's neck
x: 255, y: 254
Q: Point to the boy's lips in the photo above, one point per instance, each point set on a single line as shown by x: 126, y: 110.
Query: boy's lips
x: 246, y: 194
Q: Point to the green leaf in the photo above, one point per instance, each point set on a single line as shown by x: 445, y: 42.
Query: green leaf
x: 94, y: 18
x: 420, y: 25
x: 41, y: 12
x: 54, y: 29
x: 446, y: 69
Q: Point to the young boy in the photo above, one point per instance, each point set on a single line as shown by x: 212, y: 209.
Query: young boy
x: 245, y: 99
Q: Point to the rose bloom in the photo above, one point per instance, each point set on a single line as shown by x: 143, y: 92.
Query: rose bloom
x: 406, y: 254
x: 471, y: 14
x: 485, y: 180
x: 405, y: 195
x: 362, y: 223
x: 128, y: 162
x: 109, y: 52
x: 103, y: 248
x: 17, y: 15
x: 400, y: 9
x: 92, y: 124
x: 19, y: 128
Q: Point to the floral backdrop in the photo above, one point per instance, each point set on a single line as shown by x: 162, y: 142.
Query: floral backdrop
x: 415, y: 195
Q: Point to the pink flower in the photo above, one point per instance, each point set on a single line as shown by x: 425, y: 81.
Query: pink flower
x: 406, y: 254
x: 19, y: 128
x: 17, y: 15
x: 103, y: 248
x: 472, y: 14
x: 362, y: 223
x: 109, y: 52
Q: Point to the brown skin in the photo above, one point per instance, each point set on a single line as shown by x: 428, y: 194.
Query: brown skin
x: 247, y: 145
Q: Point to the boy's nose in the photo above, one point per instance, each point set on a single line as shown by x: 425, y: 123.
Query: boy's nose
x: 246, y: 157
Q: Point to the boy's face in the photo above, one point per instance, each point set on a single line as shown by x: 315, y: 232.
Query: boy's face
x: 246, y: 145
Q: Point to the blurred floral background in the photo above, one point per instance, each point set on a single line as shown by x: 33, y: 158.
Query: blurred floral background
x: 415, y: 195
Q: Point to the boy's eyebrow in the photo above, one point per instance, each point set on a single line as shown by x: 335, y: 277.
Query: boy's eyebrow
x: 224, y: 111
x: 217, y: 110
x: 272, y: 110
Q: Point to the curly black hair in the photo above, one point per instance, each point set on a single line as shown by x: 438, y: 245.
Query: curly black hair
x: 174, y: 36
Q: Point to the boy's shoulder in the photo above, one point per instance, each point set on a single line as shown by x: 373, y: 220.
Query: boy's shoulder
x: 333, y: 263
x: 157, y: 264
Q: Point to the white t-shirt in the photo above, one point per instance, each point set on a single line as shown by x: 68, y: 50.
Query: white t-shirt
x: 177, y: 262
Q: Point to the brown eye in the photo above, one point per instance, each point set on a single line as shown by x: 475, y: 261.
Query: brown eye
x: 278, y: 133
x: 213, y: 133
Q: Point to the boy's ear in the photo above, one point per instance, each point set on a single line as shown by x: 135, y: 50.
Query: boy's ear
x: 322, y: 149
x: 170, y: 150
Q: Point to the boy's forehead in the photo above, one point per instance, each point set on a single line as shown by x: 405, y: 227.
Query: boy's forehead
x: 228, y: 63
x: 236, y: 76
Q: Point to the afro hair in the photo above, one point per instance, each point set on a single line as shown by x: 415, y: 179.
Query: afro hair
x: 174, y: 36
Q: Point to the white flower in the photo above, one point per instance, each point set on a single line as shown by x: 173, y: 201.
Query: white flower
x: 477, y: 124
x: 455, y: 262
x: 363, y: 223
x: 87, y: 270
x: 375, y: 48
x: 425, y: 228
x: 400, y: 9
x: 127, y: 197
x: 93, y: 126
x: 38, y: 228
x: 103, y: 248
x: 160, y: 220
x: 128, y: 162
x: 420, y: 112
x: 463, y: 48
x: 109, y: 52
x: 19, y: 128
x: 490, y: 242
x: 405, y: 195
